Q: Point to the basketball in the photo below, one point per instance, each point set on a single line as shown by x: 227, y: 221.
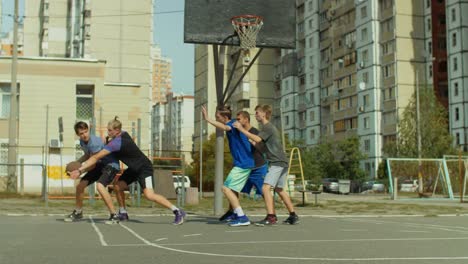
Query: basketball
x: 74, y: 165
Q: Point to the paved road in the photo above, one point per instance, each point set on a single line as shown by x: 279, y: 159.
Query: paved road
x: 151, y: 239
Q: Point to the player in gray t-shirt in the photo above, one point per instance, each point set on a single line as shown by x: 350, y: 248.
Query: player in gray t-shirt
x: 268, y: 140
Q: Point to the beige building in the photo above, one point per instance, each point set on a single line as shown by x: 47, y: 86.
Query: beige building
x: 256, y: 88
x: 63, y: 38
x: 73, y: 89
x: 161, y: 79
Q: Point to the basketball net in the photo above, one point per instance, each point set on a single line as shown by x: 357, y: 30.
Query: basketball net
x: 247, y: 28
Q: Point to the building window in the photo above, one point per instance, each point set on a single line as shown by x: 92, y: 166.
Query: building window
x: 364, y: 34
x: 85, y: 102
x: 312, y: 116
x: 286, y: 103
x: 364, y: 55
x: 455, y: 64
x: 428, y: 3
x: 455, y: 89
x: 457, y: 139
x: 311, y: 42
x: 429, y: 25
x: 312, y: 134
x: 366, y: 122
x: 366, y: 145
x: 388, y: 70
x: 286, y: 120
x: 312, y: 98
x: 363, y: 12
x: 430, y: 70
x: 457, y: 114
x: 454, y: 39
x: 311, y: 77
x: 365, y: 100
x: 365, y: 77
x: 429, y: 47
x: 454, y: 15
x: 5, y: 98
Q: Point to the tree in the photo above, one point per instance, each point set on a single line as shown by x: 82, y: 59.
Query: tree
x: 435, y: 137
x: 209, y: 161
x: 332, y: 159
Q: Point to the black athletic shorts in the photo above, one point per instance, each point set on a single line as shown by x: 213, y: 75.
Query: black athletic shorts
x: 103, y: 174
x: 129, y: 176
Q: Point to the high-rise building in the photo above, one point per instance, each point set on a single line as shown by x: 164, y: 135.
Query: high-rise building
x: 161, y: 79
x: 355, y: 70
x: 457, y: 67
x: 173, y: 127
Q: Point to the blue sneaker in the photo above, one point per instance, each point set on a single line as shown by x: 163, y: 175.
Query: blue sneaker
x: 179, y: 217
x: 240, y: 221
x: 123, y: 216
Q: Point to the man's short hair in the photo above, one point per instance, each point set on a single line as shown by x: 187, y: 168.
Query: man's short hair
x: 266, y: 109
x: 245, y: 114
x: 225, y: 111
x: 80, y: 125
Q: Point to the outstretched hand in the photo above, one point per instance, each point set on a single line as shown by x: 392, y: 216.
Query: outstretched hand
x: 204, y: 112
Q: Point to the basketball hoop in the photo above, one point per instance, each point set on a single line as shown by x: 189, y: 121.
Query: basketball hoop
x: 247, y: 28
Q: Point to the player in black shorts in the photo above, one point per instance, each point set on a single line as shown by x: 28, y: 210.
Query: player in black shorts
x: 139, y: 167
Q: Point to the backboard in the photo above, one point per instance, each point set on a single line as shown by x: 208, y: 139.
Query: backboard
x: 209, y: 21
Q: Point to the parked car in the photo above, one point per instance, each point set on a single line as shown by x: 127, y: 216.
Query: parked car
x: 330, y: 185
x: 373, y: 185
x: 409, y: 186
x: 179, y: 181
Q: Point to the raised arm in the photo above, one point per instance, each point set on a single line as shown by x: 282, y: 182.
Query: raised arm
x: 249, y: 135
x: 214, y: 122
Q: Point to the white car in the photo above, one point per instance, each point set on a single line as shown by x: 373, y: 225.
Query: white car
x: 179, y: 181
x: 409, y: 186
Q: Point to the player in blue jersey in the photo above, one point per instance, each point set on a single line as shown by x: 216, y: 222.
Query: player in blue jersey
x: 139, y: 167
x: 241, y: 152
x: 104, y: 173
x: 257, y: 174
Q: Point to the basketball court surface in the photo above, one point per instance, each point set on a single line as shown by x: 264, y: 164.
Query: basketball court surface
x: 152, y: 239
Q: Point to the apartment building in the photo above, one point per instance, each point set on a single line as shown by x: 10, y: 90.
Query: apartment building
x: 173, y: 126
x: 6, y: 43
x: 257, y: 87
x: 161, y: 79
x: 354, y: 72
x: 457, y: 66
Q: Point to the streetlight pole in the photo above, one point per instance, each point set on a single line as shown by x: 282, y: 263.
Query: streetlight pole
x: 418, y: 127
x: 201, y: 155
x: 12, y: 122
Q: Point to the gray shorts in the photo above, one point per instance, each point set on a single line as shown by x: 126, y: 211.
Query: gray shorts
x: 276, y: 176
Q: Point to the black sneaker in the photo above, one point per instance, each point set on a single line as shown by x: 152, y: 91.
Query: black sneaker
x: 268, y: 221
x: 113, y: 219
x: 292, y: 220
x: 228, y: 215
x: 74, y: 216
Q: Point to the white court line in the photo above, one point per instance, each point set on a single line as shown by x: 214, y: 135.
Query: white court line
x: 238, y: 231
x: 287, y: 258
x: 100, y: 235
x: 413, y: 231
x: 192, y: 235
x: 354, y: 230
x: 458, y: 229
x: 161, y: 239
x: 128, y: 245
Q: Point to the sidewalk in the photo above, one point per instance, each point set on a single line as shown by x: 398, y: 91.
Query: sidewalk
x: 328, y: 204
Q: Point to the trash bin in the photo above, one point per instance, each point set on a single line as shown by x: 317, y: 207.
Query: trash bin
x: 191, y: 195
x: 344, y: 186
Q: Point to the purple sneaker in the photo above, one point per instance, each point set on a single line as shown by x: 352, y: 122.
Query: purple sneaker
x: 179, y: 217
x: 123, y: 216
